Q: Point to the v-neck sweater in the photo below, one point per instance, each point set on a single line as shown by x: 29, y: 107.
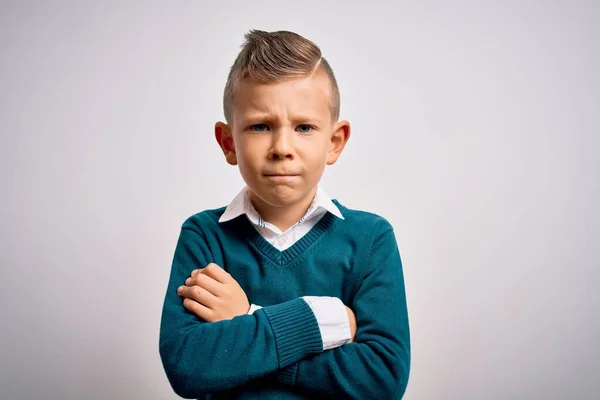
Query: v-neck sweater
x: 277, y: 351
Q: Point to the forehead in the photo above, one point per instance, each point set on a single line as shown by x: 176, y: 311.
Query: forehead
x: 307, y: 97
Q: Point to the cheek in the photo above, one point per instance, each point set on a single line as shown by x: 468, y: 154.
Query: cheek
x: 247, y: 170
x: 316, y: 162
x: 249, y: 157
x: 245, y: 163
x: 244, y: 152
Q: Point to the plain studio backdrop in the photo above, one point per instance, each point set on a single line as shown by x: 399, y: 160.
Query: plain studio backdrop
x: 475, y: 133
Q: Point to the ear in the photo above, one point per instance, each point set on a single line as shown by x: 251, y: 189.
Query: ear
x: 339, y: 138
x: 225, y: 140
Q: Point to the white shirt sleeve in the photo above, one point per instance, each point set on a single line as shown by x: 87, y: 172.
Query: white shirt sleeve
x: 253, y: 307
x: 332, y: 318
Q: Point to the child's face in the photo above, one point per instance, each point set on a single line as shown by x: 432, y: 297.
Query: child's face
x: 281, y: 136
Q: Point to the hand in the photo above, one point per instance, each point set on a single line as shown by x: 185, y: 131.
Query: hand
x: 352, y: 319
x: 212, y: 294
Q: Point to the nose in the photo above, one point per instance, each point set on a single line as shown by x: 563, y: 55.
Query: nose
x: 281, y: 145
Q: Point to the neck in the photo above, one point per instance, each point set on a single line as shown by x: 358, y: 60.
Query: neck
x: 282, y: 217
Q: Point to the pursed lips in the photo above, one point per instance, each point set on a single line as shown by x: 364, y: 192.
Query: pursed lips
x: 281, y: 177
x: 282, y: 174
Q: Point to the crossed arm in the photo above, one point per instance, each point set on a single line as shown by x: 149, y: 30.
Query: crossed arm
x: 285, y: 338
x: 214, y: 295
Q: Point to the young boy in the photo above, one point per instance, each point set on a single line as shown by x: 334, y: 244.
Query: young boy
x: 285, y: 293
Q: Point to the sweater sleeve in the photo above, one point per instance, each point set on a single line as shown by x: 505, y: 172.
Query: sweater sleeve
x: 201, y: 357
x: 376, y: 365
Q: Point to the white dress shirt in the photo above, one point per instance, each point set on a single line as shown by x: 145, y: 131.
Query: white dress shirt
x: 330, y: 312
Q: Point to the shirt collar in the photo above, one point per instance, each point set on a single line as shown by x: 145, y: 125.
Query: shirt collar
x: 241, y: 205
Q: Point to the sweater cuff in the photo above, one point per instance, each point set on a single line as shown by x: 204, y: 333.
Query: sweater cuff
x: 287, y: 375
x: 295, y: 329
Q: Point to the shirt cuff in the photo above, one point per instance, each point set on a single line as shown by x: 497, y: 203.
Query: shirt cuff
x: 253, y: 307
x: 332, y: 318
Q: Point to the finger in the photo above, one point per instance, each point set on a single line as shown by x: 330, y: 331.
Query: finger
x: 217, y: 273
x: 189, y: 281
x: 206, y: 282
x: 195, y: 272
x: 198, y: 294
x: 197, y: 309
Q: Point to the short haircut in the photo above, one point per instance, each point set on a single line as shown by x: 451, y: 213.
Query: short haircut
x: 270, y: 57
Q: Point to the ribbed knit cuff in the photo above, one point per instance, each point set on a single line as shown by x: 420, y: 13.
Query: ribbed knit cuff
x: 296, y: 331
x: 287, y: 375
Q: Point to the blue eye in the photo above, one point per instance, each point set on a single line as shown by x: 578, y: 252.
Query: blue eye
x: 259, y: 128
x: 304, y: 128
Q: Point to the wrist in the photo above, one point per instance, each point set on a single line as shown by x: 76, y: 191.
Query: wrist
x: 253, y: 308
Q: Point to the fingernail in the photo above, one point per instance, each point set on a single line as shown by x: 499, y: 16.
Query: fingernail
x: 188, y: 280
x: 194, y: 272
x: 180, y: 289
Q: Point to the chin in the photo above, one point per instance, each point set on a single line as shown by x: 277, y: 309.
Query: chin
x: 283, y: 196
x: 280, y: 195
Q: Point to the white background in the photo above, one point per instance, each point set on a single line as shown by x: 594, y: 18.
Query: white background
x: 475, y: 133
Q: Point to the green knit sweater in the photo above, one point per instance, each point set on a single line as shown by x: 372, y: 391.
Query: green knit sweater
x: 277, y: 352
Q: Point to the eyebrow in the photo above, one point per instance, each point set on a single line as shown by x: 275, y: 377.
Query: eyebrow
x: 271, y: 117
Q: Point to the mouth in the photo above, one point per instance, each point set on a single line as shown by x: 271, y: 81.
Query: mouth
x: 281, y: 177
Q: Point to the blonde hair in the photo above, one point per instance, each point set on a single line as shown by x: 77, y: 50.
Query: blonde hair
x: 270, y: 57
